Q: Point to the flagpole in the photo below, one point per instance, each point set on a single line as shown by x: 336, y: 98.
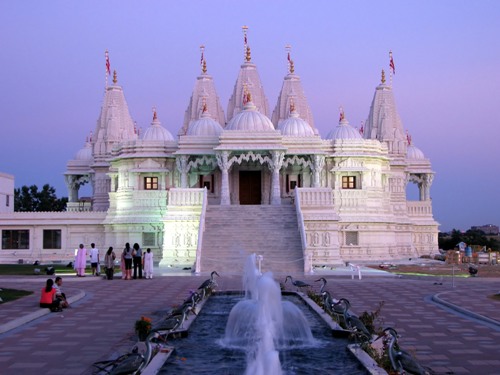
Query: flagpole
x: 106, y: 70
x: 391, y: 68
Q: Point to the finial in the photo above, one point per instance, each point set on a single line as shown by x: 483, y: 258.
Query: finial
x: 155, y: 116
x: 204, y: 107
x: 248, y: 55
x: 342, y: 114
x: 203, y: 62
x: 362, y: 128
x: 245, y: 92
x: 291, y: 68
x: 248, y: 97
x: 90, y: 136
x: 383, y: 77
x: 408, y: 138
x: 391, y: 63
x: 292, y: 106
x: 115, y: 77
x: 245, y: 41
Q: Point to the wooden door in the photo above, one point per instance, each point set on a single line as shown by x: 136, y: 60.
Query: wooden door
x: 250, y: 187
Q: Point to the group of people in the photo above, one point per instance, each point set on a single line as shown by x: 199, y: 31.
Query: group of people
x: 130, y: 257
x: 52, y: 296
x: 81, y: 260
x: 135, y: 256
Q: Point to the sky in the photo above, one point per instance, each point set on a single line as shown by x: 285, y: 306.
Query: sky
x: 447, y: 81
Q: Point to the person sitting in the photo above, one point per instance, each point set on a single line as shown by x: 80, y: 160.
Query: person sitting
x: 48, y: 298
x: 59, y: 294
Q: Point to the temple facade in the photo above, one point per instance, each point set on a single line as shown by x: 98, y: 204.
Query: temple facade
x: 348, y: 189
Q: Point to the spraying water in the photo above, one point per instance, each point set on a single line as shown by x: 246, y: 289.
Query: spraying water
x: 256, y: 324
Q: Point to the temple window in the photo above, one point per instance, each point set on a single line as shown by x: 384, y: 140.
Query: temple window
x: 348, y: 182
x: 351, y: 238
x: 16, y: 239
x: 52, y: 239
x: 148, y: 239
x: 151, y: 183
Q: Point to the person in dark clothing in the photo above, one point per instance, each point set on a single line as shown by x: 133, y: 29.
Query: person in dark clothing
x: 137, y: 258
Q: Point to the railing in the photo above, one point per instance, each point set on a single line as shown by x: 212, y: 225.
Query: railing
x: 201, y: 230
x: 300, y: 219
x: 346, y: 198
x: 186, y: 197
x: 419, y: 208
x: 314, y: 196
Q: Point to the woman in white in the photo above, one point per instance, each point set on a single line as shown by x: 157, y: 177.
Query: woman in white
x: 147, y: 265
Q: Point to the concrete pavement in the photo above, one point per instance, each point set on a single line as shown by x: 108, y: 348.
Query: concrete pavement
x: 100, y: 323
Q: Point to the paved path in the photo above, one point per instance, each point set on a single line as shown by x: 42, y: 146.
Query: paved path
x: 100, y: 324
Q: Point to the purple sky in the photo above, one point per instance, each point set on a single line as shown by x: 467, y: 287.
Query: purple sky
x: 447, y: 82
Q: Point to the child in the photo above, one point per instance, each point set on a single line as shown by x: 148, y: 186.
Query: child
x: 148, y: 263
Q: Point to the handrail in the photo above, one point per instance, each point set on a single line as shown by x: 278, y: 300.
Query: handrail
x: 302, y: 230
x: 201, y: 230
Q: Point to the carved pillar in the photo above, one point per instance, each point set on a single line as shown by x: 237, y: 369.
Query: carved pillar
x: 428, y: 178
x: 223, y: 163
x: 278, y: 158
x: 72, y: 187
x: 183, y: 168
x: 318, y: 165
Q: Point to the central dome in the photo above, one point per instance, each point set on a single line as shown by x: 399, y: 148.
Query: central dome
x: 204, y: 126
x: 250, y: 120
x: 156, y: 132
x: 294, y: 126
x: 344, y: 131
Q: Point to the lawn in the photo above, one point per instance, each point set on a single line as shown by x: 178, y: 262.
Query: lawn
x: 29, y: 269
x: 12, y: 294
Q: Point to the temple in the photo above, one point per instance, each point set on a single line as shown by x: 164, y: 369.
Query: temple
x: 239, y: 182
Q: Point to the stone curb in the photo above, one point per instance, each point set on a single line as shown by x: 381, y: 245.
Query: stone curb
x: 435, y: 298
x: 9, y: 326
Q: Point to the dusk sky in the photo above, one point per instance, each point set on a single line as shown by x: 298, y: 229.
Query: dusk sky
x: 447, y: 82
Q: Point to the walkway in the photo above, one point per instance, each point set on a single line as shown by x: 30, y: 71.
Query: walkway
x: 100, y: 324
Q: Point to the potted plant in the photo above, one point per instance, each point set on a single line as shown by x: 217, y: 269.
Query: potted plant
x: 143, y: 328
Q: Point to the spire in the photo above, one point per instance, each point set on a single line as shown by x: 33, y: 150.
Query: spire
x: 155, y: 116
x: 115, y: 77
x: 408, y: 138
x: 382, y: 81
x: 292, y: 90
x: 204, y: 92
x: 248, y: 75
x: 383, y: 122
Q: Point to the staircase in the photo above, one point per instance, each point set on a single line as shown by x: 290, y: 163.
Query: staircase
x: 234, y: 232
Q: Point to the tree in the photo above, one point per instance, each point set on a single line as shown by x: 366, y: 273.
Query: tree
x: 28, y: 199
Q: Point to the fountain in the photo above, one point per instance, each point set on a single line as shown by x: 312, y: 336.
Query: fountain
x: 256, y: 324
x: 260, y: 334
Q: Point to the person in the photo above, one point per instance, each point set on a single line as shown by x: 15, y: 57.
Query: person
x: 122, y: 266
x: 137, y: 256
x: 148, y: 264
x: 81, y: 261
x: 109, y: 263
x: 48, y: 297
x: 59, y: 294
x: 127, y: 257
x: 94, y: 259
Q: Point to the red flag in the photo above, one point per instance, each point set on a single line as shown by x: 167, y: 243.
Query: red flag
x: 108, y: 65
x: 391, y: 64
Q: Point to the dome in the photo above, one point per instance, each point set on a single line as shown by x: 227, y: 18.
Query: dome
x: 250, y: 120
x: 156, y: 132
x: 344, y: 131
x: 204, y: 126
x: 294, y: 126
x: 414, y: 153
x: 85, y: 153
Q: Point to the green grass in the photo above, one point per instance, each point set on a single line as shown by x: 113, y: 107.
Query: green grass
x: 12, y: 294
x: 29, y: 269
